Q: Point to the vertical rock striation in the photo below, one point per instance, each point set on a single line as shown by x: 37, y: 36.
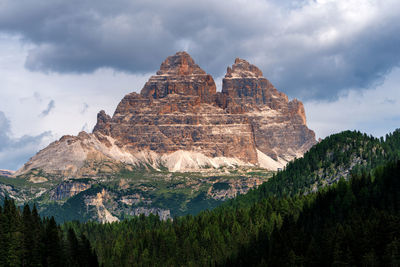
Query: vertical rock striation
x: 176, y: 110
x: 280, y: 129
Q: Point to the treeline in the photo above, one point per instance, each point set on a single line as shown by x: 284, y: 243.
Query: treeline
x: 354, y: 222
x: 28, y: 240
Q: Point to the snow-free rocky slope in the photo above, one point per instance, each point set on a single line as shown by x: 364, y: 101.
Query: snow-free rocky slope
x: 179, y: 121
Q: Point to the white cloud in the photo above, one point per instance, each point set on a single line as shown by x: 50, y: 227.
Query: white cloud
x: 16, y: 151
x: 375, y: 111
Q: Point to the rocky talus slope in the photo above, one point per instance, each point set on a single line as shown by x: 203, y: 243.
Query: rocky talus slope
x: 180, y: 122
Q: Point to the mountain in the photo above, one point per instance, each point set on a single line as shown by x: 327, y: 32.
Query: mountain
x: 180, y: 122
x: 176, y: 148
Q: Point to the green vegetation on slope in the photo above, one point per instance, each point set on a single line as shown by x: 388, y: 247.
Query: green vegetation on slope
x: 171, y: 194
x: 337, y: 156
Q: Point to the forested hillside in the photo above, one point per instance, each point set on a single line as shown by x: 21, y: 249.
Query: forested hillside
x: 354, y: 223
x: 337, y: 156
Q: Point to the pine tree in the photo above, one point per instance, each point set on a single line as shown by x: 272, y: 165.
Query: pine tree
x: 53, y: 256
x: 28, y: 236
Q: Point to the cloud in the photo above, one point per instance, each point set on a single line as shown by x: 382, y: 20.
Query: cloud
x: 14, y: 152
x: 308, y: 49
x: 49, y: 108
x: 374, y: 111
x: 4, y: 130
x: 37, y: 96
x: 84, y: 108
x: 102, y: 89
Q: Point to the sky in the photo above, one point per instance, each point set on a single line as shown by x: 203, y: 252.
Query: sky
x: 61, y: 62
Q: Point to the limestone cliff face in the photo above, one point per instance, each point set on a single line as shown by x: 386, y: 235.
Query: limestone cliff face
x: 176, y: 110
x: 279, y: 125
x: 244, y: 89
x: 179, y: 121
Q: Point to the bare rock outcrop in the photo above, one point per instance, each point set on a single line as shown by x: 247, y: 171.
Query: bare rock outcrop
x: 68, y: 189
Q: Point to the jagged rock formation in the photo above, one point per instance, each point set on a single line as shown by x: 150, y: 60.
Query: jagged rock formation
x: 279, y: 125
x: 99, y: 204
x: 179, y: 121
x: 68, y: 189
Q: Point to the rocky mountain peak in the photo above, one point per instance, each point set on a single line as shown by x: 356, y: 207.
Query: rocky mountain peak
x: 179, y: 74
x: 102, y: 124
x: 180, y: 64
x: 243, y: 69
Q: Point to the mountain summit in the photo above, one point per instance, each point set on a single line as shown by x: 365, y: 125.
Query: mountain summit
x: 243, y: 69
x: 179, y: 121
x: 179, y: 74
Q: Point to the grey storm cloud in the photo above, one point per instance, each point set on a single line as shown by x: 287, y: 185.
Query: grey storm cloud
x: 16, y: 151
x: 50, y: 107
x: 309, y: 49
